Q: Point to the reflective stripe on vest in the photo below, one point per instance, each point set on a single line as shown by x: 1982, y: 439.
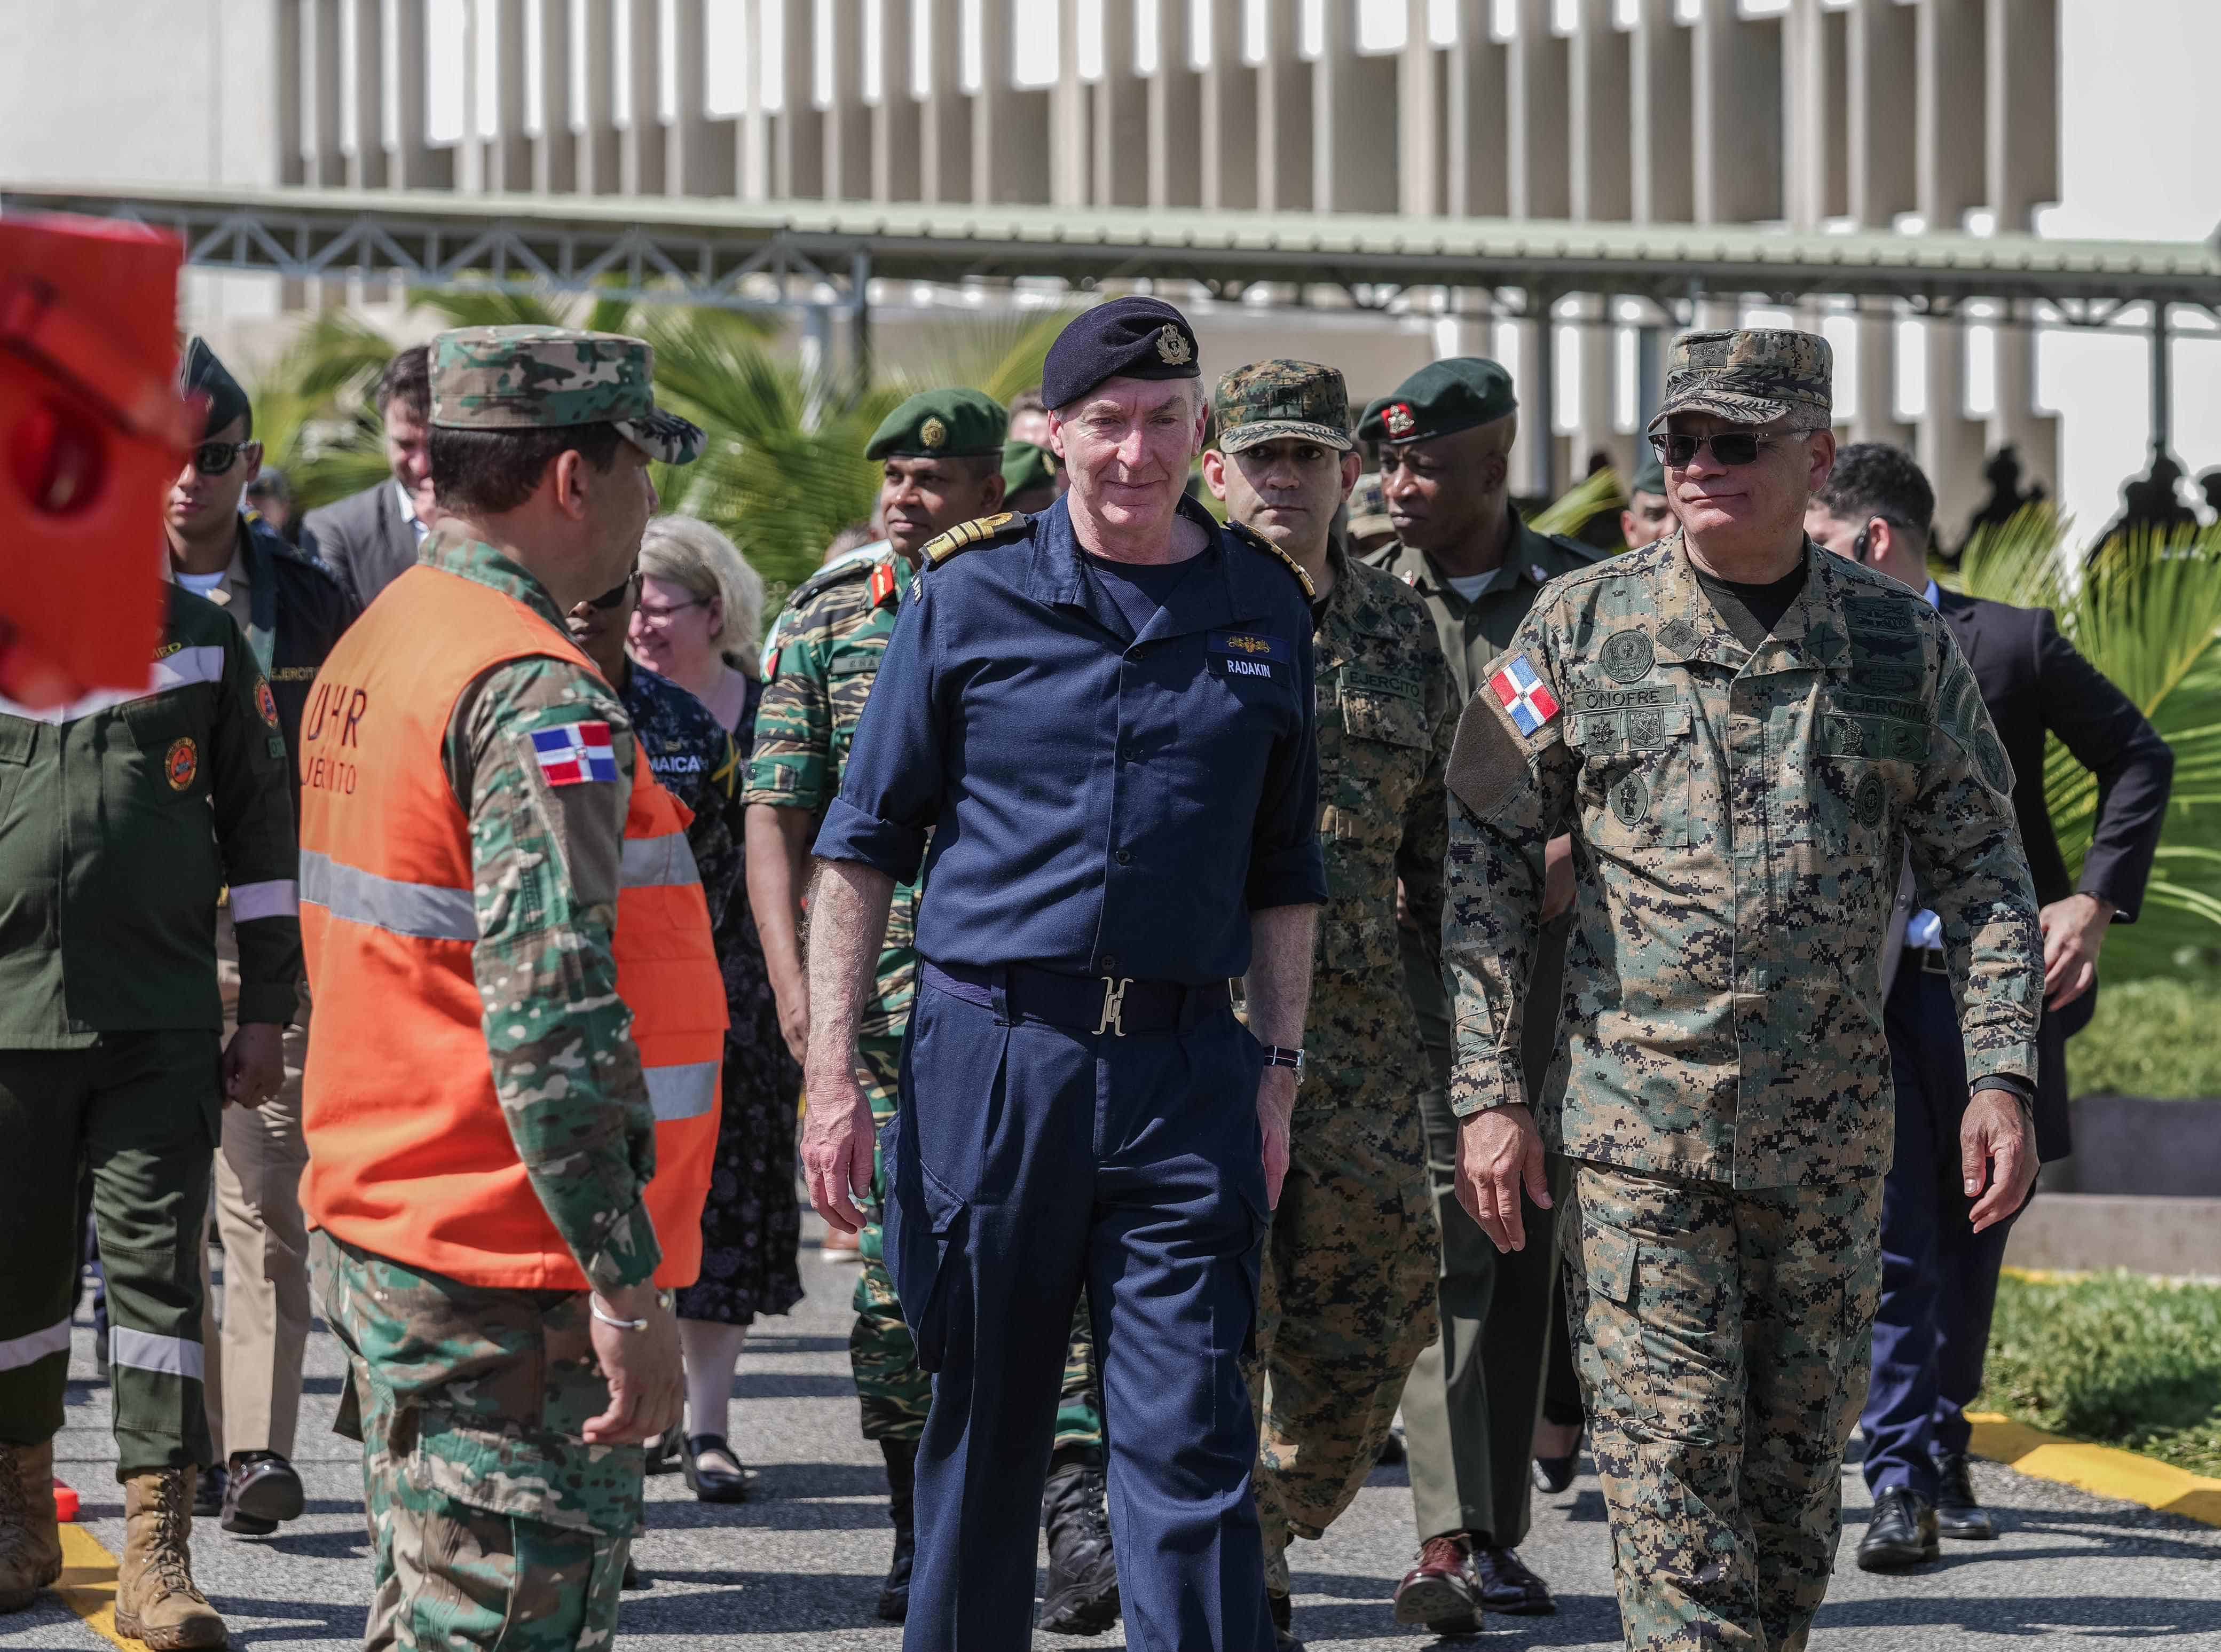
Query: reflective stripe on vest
x: 685, y: 1091
x: 423, y: 910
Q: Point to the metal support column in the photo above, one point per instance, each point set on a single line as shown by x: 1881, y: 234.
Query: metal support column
x: 1542, y: 432
x: 859, y: 320
x: 2162, y: 380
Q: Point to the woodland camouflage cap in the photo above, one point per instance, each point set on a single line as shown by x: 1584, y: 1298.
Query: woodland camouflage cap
x: 530, y: 377
x: 1267, y: 401
x: 1751, y: 378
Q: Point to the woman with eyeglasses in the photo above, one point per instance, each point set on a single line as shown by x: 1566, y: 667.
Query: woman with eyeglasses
x: 692, y: 616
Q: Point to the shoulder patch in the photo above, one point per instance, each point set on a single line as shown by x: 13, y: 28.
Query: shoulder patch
x: 1257, y: 542
x: 980, y: 530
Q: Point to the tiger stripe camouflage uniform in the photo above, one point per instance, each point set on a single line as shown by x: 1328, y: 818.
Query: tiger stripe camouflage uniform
x: 1739, y: 815
x: 820, y: 661
x: 1348, y: 1297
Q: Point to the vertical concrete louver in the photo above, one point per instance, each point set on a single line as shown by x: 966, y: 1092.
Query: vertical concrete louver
x: 1817, y: 112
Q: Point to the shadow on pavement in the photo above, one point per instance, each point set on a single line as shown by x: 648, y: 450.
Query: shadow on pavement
x: 2106, y: 1617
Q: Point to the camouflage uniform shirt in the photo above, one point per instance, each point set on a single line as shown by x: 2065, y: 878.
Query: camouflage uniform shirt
x: 1385, y: 720
x: 545, y: 864
x: 819, y: 666
x: 1739, y: 820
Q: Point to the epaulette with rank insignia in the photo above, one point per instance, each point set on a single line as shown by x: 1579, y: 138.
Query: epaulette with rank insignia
x: 1257, y: 542
x: 980, y: 530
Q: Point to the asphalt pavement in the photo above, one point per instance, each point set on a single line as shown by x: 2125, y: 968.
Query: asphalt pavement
x: 799, y: 1564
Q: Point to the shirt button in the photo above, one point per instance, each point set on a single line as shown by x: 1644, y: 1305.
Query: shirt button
x: 1110, y: 962
x: 1125, y: 857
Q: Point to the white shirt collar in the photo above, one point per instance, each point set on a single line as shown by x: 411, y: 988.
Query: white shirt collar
x: 409, y: 513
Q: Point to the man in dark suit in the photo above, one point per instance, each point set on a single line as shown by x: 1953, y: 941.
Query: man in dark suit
x: 370, y: 539
x: 1939, y: 1276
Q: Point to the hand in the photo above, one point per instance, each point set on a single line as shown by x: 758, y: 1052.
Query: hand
x: 1404, y: 918
x: 1276, y: 1101
x: 253, y: 1064
x: 1498, y: 1151
x: 2073, y: 930
x: 647, y: 1384
x: 1997, y: 1141
x: 838, y: 1137
x: 1557, y: 877
x: 794, y: 1017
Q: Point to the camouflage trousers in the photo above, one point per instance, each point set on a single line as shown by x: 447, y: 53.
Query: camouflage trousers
x: 492, y: 1523
x: 1345, y: 1306
x: 1723, y: 1345
x: 894, y: 1392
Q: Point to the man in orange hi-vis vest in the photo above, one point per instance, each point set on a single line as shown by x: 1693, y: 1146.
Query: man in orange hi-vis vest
x: 480, y: 1125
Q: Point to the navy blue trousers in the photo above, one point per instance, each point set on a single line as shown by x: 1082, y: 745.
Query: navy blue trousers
x: 1939, y: 1278
x: 1028, y: 1158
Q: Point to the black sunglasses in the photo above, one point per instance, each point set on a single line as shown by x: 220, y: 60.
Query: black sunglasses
x: 214, y: 458
x: 1729, y: 447
x: 615, y: 596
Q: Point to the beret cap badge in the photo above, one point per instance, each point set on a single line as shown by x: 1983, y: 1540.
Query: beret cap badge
x: 1396, y: 415
x: 1171, y: 345
x: 933, y: 433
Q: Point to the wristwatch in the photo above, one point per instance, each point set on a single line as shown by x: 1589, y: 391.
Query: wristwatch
x: 1281, y: 1055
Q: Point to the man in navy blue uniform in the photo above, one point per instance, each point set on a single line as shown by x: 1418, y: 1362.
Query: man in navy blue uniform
x: 1101, y: 720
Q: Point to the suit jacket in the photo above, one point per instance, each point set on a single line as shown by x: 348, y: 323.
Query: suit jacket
x: 2035, y: 683
x: 364, y: 540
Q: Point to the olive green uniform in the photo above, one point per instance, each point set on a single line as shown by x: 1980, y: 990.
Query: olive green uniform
x: 1470, y: 1405
x: 123, y: 817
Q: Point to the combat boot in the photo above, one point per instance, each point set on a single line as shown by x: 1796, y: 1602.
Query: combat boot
x: 902, y: 1487
x: 30, y: 1540
x: 1082, y: 1595
x: 155, y: 1599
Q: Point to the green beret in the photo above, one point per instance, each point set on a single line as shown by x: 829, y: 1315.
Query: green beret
x: 943, y: 424
x: 1026, y: 467
x: 1440, y: 399
x: 199, y: 372
x: 1649, y: 475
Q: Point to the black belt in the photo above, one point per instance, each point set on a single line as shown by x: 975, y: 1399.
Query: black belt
x: 1094, y: 1004
x: 1925, y: 960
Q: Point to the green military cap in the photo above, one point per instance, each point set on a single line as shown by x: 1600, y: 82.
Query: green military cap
x: 1650, y: 474
x: 1441, y: 399
x: 1751, y: 376
x: 943, y: 424
x: 1368, y: 506
x: 1268, y: 400
x: 532, y: 378
x: 1026, y: 467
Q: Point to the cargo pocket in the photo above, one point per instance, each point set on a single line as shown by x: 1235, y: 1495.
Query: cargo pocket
x: 1600, y: 1270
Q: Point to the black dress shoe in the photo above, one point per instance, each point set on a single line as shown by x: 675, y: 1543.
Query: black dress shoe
x: 264, y: 1493
x: 711, y: 1484
x: 1553, y: 1474
x: 662, y: 1453
x: 1901, y: 1534
x: 1507, y: 1585
x: 1393, y: 1450
x: 634, y: 1578
x: 1958, y: 1514
x: 207, y: 1492
x: 1283, y: 1622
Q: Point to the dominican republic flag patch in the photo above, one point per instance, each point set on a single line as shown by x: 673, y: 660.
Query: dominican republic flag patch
x: 575, y: 754
x: 1523, y: 696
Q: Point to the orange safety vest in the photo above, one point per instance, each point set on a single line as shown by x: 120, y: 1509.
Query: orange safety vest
x: 409, y: 1156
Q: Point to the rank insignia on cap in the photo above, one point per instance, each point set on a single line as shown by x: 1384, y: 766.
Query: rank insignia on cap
x: 933, y: 433
x: 1171, y: 345
x: 267, y: 703
x: 1522, y: 693
x: 575, y: 754
x: 180, y: 763
x: 1396, y: 415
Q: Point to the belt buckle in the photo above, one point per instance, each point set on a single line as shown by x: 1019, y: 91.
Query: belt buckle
x: 1113, y: 1006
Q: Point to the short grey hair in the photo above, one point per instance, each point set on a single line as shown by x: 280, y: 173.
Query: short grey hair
x: 688, y: 552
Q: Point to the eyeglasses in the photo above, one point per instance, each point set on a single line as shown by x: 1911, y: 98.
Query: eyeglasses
x: 214, y: 458
x: 614, y: 597
x: 1729, y: 447
x: 658, y: 614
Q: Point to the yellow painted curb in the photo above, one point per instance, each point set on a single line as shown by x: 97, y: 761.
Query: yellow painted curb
x: 87, y: 1587
x: 2105, y: 1470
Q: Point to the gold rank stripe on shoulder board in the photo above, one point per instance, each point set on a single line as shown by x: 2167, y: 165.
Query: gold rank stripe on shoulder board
x: 1257, y: 542
x: 962, y: 537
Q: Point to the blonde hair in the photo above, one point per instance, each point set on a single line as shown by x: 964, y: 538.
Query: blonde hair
x: 688, y: 552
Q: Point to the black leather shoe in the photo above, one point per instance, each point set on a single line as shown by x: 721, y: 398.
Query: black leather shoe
x: 1901, y: 1534
x: 1507, y: 1585
x: 207, y: 1492
x: 1959, y: 1513
x: 1442, y: 1592
x: 1284, y: 1622
x: 1393, y: 1450
x: 711, y: 1484
x: 263, y: 1493
x: 902, y: 1508
x: 1553, y: 1474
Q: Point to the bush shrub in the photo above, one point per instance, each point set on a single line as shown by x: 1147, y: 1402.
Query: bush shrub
x: 2152, y: 1037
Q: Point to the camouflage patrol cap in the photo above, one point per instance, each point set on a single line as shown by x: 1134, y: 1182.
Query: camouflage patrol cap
x: 1368, y: 506
x: 1267, y: 401
x: 952, y: 423
x: 533, y: 378
x: 1751, y: 376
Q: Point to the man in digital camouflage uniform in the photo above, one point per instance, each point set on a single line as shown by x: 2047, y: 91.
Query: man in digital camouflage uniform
x: 943, y: 453
x: 1346, y: 1300
x: 1745, y: 735
x: 1445, y: 437
x: 476, y: 1113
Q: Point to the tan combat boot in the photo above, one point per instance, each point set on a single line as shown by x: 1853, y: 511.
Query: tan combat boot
x: 155, y: 1599
x: 30, y: 1541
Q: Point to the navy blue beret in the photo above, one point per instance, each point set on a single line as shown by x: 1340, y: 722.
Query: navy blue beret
x: 1127, y: 338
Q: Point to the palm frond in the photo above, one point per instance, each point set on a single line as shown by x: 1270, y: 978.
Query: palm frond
x: 1572, y: 510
